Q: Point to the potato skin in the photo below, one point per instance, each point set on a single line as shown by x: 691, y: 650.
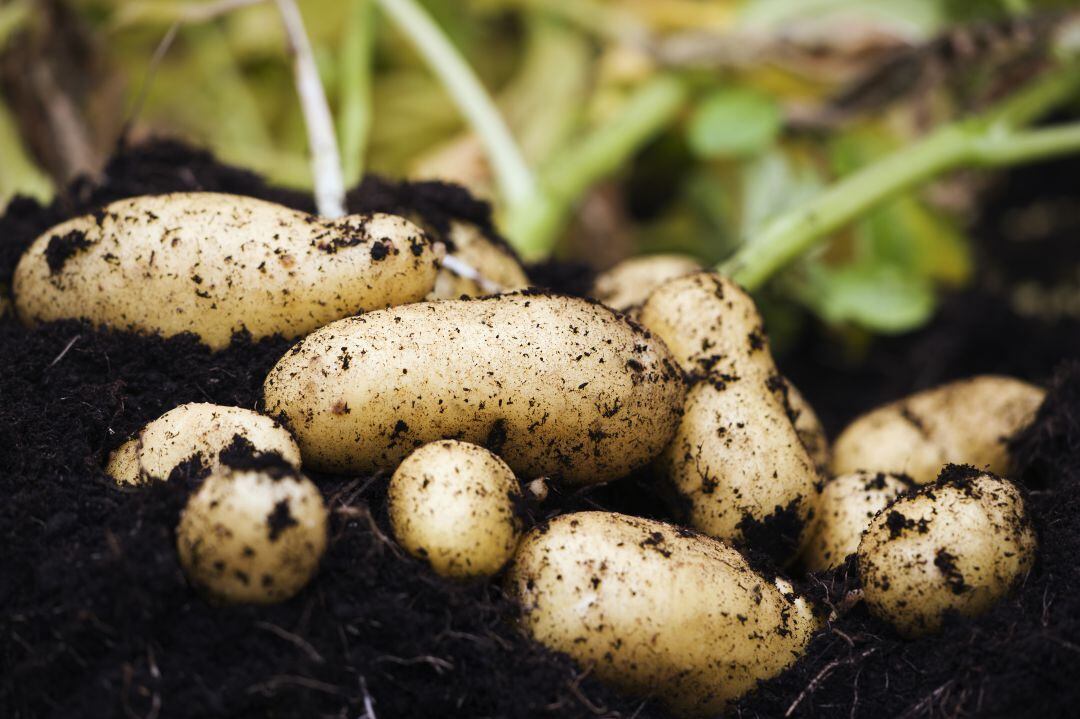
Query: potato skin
x: 656, y: 609
x: 629, y: 283
x: 216, y: 264
x: 965, y: 422
x: 553, y: 385
x: 958, y: 545
x: 253, y: 535
x: 452, y: 504
x: 495, y: 262
x: 196, y: 428
x: 807, y: 424
x: 845, y: 509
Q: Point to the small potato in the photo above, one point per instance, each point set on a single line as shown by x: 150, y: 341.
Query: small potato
x: 809, y: 428
x: 553, y: 385
x: 253, y: 535
x: 956, y: 546
x: 215, y: 265
x: 452, y: 504
x: 199, y: 429
x: 495, y: 263
x: 656, y: 610
x: 630, y: 282
x: 969, y: 421
x: 845, y: 509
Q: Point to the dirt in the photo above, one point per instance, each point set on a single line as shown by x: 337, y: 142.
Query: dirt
x: 97, y: 620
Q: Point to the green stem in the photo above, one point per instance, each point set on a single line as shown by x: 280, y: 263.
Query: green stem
x: 989, y: 140
x: 354, y: 126
x: 515, y: 180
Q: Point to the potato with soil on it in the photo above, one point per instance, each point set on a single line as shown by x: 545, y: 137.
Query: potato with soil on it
x: 737, y: 455
x: 845, y: 509
x: 197, y: 431
x: 807, y: 424
x: 216, y: 265
x: 629, y: 283
x: 554, y: 385
x: 253, y: 533
x: 958, y: 545
x: 496, y: 266
x: 657, y: 610
x: 969, y: 421
x: 453, y: 504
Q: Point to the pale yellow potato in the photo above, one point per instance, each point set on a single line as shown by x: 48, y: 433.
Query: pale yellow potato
x: 965, y: 422
x: 197, y: 428
x: 959, y: 546
x: 452, y: 504
x: 253, y: 535
x: 741, y: 464
x: 656, y: 610
x: 630, y: 282
x: 216, y: 264
x: 809, y: 428
x: 553, y: 385
x: 844, y: 511
x: 495, y: 265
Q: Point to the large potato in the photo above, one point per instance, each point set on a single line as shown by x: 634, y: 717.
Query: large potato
x: 657, y: 610
x: 216, y: 264
x: 455, y: 505
x: 737, y: 455
x: 630, y: 282
x: 197, y: 430
x: 965, y: 422
x: 845, y: 509
x: 554, y: 385
x: 496, y: 267
x: 956, y: 546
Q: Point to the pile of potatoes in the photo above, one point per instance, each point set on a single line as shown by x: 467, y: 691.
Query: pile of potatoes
x: 472, y: 393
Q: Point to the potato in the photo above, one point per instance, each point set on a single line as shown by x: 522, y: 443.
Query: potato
x: 253, y: 535
x: 216, y: 264
x: 656, y: 610
x: 965, y: 422
x: 956, y: 546
x: 736, y: 456
x: 629, y: 283
x: 194, y: 429
x: 844, y: 511
x: 496, y: 264
x: 452, y: 504
x: 553, y: 385
x: 807, y: 425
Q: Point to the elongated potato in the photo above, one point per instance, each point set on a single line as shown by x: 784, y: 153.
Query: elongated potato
x: 553, y: 385
x: 958, y: 545
x: 452, y: 504
x: 216, y: 264
x: 656, y: 610
x: 201, y: 430
x: 630, y: 282
x: 737, y: 455
x: 845, y: 509
x: 965, y: 422
x: 496, y: 266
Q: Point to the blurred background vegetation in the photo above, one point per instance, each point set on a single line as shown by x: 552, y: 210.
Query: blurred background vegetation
x: 661, y: 125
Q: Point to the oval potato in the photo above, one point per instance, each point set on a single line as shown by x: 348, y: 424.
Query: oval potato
x: 630, y: 282
x: 969, y: 421
x: 216, y: 265
x: 656, y: 610
x: 958, y: 545
x: 453, y: 504
x: 496, y: 265
x: 553, y: 385
x: 197, y: 428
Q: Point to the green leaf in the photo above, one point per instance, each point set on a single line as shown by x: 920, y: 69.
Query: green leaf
x: 877, y: 297
x: 735, y: 122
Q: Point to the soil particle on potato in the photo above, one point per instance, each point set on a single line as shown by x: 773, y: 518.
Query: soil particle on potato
x: 280, y: 519
x: 778, y: 534
x: 61, y: 248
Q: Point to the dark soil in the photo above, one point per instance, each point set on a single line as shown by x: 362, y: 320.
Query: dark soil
x: 96, y: 619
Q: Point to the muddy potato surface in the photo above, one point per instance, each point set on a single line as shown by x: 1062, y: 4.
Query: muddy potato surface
x: 554, y: 385
x: 656, y: 610
x: 969, y: 421
x: 958, y: 545
x: 216, y: 264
